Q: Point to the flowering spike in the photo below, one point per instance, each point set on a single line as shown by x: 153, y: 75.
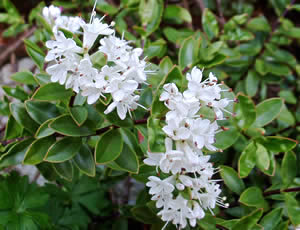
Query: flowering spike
x: 190, y: 133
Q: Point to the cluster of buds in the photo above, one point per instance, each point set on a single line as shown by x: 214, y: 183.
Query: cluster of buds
x: 72, y: 64
x: 185, y: 188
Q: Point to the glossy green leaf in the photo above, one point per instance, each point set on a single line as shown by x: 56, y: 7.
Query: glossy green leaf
x: 52, y: 92
x: 24, y: 77
x: 109, y: 147
x: 248, y: 112
x: 38, y: 150
x: 79, y: 114
x: 22, y: 117
x: 36, y: 57
x: 253, y: 197
x: 293, y: 209
x: 231, y: 179
x: 278, y: 144
x: 262, y: 157
x: 128, y: 160
x: 151, y: 12
x: 247, y: 160
x: 188, y: 53
x: 131, y: 140
x: 65, y: 125
x: 210, y: 24
x: 42, y: 78
x: 156, y: 136
x: 64, y: 170
x: 41, y: 111
x: 267, y: 111
x: 289, y: 167
x: 44, y: 130
x: 16, y: 154
x: 249, y: 221
x: 63, y: 150
x: 16, y: 92
x: 227, y: 138
x: 259, y: 24
x: 272, y: 219
x: 84, y: 161
x: 13, y: 129
x: 144, y: 214
x: 182, y: 14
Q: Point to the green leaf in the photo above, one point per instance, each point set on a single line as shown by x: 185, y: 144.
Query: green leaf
x: 259, y: 24
x: 63, y: 150
x: 52, y: 92
x: 131, y: 140
x: 151, y: 12
x: 65, y: 125
x: 272, y: 219
x: 289, y: 167
x: 108, y: 147
x: 17, y: 92
x: 293, y: 209
x: 24, y: 77
x: 128, y: 160
x: 231, y: 179
x: 22, y: 117
x: 34, y: 46
x: 16, y: 154
x: 182, y: 14
x: 38, y: 150
x: 144, y: 214
x: 252, y: 82
x: 13, y: 129
x: 210, y: 24
x: 79, y: 114
x: 188, y: 53
x: 41, y: 111
x: 84, y: 161
x: 267, y: 111
x: 288, y: 96
x: 36, y: 56
x: 44, y: 130
x: 247, y: 160
x: 253, y: 197
x: 247, y: 109
x: 262, y: 157
x: 227, y: 138
x: 42, y: 78
x: 156, y: 136
x: 278, y: 144
x: 248, y: 222
x: 64, y: 170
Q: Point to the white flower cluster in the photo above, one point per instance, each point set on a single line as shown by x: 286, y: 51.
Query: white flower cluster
x: 73, y: 67
x: 189, y: 190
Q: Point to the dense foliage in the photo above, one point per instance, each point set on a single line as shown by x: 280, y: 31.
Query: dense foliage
x: 85, y: 153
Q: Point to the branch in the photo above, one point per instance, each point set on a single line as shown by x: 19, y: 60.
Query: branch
x: 278, y: 191
x: 11, y: 48
x: 221, y: 16
x: 201, y: 5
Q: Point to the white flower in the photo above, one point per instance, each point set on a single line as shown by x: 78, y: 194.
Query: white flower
x: 203, y: 133
x: 62, y: 46
x: 51, y: 13
x: 158, y: 186
x: 92, y: 30
x: 123, y: 106
x: 176, y: 131
x: 153, y: 158
x: 69, y: 23
x: 172, y: 159
x: 116, y: 49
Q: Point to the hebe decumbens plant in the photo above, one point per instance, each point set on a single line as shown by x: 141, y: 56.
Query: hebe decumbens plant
x: 108, y: 103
